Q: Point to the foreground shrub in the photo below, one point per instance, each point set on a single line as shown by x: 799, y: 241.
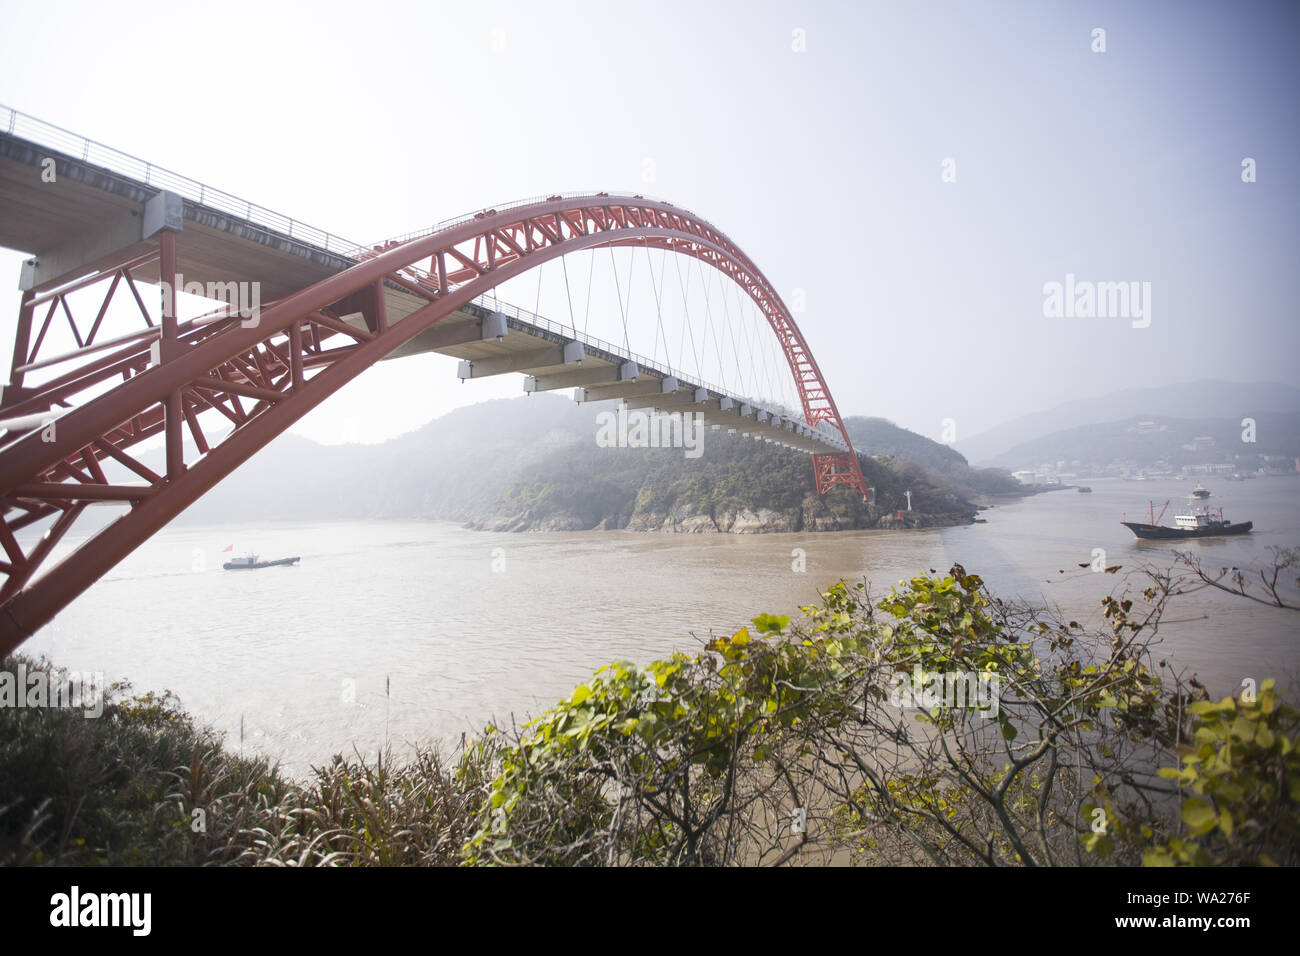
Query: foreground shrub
x: 938, y: 725
x: 861, y: 735
x: 142, y: 784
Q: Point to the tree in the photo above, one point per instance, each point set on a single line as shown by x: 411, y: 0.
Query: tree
x: 937, y: 725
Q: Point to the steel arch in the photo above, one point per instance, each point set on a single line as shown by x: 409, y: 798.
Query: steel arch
x: 214, y: 362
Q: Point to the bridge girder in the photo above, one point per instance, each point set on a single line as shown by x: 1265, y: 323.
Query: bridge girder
x: 263, y: 375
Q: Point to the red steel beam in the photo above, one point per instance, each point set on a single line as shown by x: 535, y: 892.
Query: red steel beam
x: 505, y: 244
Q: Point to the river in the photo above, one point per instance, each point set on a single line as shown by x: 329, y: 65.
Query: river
x: 402, y: 631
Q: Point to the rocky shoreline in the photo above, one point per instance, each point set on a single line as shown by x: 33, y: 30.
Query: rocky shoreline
x: 688, y: 519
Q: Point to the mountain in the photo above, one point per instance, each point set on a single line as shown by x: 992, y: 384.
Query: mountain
x: 1165, y: 444
x: 454, y: 467
x: 533, y: 463
x: 1191, y: 400
x: 881, y: 438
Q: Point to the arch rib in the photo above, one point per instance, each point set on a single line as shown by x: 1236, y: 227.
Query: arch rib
x: 266, y: 376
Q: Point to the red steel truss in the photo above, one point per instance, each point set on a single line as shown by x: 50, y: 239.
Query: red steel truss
x: 262, y: 376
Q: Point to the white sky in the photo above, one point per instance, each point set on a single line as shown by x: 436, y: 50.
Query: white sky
x: 924, y: 298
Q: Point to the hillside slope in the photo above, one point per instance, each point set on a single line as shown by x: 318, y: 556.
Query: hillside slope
x: 533, y: 463
x: 1190, y: 400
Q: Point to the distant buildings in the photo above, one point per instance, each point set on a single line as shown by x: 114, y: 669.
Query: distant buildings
x: 1144, y: 428
x: 1148, y: 448
x: 1042, y: 477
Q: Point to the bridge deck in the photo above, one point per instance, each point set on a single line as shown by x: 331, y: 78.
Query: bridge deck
x: 93, y: 214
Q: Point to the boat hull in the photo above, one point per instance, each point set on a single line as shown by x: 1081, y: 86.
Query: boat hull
x: 232, y: 566
x: 1161, y: 532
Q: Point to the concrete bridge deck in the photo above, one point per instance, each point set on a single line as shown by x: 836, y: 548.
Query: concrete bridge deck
x: 96, y: 212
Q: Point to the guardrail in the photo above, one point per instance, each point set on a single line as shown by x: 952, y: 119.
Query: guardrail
x: 97, y: 154
x: 491, y: 304
x: 514, y: 204
x: 90, y: 151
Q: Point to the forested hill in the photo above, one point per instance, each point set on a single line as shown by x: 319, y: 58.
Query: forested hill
x: 533, y: 463
x: 736, y: 485
x: 880, y: 438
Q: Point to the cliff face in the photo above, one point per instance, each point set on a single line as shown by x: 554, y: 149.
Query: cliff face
x: 688, y: 519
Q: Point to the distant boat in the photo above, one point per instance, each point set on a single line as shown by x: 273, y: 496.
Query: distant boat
x: 1200, y: 491
x: 1194, y: 524
x: 1085, y: 490
x: 250, y: 563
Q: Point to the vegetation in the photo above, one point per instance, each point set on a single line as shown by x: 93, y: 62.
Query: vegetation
x: 888, y: 443
x: 704, y: 759
x: 539, y: 455
x: 615, y: 486
x: 141, y: 784
x: 937, y: 725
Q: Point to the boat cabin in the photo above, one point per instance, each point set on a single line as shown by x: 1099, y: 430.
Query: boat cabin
x: 1203, y: 518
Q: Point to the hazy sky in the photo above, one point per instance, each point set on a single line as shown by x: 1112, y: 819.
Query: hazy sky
x: 924, y: 298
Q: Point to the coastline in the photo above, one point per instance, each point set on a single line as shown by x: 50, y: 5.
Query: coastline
x: 688, y: 519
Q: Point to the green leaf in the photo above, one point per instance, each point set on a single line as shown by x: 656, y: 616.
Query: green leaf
x: 1225, y: 822
x: 1199, y: 815
x: 769, y: 623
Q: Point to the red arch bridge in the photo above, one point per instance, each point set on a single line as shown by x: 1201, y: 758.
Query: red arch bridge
x: 216, y: 388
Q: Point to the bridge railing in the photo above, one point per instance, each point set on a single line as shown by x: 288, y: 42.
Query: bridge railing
x: 92, y: 152
x: 503, y: 207
x: 491, y: 304
x: 95, y: 153
x: 559, y: 328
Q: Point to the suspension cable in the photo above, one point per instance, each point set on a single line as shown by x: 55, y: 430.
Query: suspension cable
x: 762, y: 341
x: 569, y: 295
x: 591, y: 271
x: 735, y: 350
x: 537, y: 308
x: 618, y: 289
x: 747, y: 335
x: 686, y: 317
x: 658, y: 291
x: 708, y: 321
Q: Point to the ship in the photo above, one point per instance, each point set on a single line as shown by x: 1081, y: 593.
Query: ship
x: 250, y: 563
x: 1200, y: 492
x: 1202, y: 523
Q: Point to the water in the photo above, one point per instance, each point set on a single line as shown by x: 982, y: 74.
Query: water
x: 461, y: 632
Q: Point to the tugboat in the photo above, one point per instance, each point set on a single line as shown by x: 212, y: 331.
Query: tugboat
x: 250, y: 563
x: 1200, y: 492
x: 1202, y: 523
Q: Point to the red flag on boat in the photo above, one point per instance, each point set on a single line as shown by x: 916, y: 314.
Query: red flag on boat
x: 229, y: 547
